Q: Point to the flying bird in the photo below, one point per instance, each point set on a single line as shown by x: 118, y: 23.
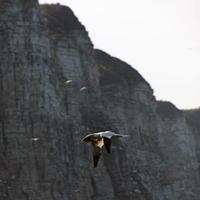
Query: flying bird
x: 68, y: 82
x: 99, y: 140
x: 35, y: 139
x: 83, y: 88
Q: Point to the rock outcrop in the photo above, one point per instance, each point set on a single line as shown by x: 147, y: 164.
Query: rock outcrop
x: 55, y: 88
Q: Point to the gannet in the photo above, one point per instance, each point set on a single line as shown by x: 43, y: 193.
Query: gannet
x: 98, y: 140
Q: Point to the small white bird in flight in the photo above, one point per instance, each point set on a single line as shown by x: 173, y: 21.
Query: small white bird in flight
x: 68, y: 82
x: 83, y: 88
x: 35, y: 139
x: 99, y: 140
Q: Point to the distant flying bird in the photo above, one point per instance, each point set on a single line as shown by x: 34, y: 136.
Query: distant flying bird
x: 83, y: 88
x: 68, y: 82
x: 99, y: 140
x: 35, y: 139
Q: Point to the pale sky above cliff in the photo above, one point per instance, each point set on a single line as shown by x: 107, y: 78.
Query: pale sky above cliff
x: 161, y: 39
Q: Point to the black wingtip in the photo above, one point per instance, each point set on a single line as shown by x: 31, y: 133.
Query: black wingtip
x: 85, y: 139
x: 108, y: 150
x: 107, y: 143
x: 95, y: 166
x: 95, y: 163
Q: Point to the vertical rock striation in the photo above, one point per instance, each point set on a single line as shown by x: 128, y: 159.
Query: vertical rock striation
x: 54, y: 88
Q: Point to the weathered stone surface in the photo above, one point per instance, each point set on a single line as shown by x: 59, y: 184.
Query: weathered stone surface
x: 55, y: 87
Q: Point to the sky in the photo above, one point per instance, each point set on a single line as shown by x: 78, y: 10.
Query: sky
x: 159, y: 38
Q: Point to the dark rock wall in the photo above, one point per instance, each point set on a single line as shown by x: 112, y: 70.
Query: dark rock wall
x: 55, y: 87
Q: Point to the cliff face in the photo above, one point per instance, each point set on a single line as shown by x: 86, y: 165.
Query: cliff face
x: 55, y: 87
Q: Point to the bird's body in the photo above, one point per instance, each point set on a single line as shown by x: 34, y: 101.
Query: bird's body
x: 99, y: 140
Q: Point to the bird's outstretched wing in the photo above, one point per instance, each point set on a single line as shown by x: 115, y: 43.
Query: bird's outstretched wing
x: 88, y: 138
x: 97, y: 151
x: 96, y: 156
x: 107, y: 143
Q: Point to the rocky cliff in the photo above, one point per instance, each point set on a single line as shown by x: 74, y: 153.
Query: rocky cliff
x: 55, y: 88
